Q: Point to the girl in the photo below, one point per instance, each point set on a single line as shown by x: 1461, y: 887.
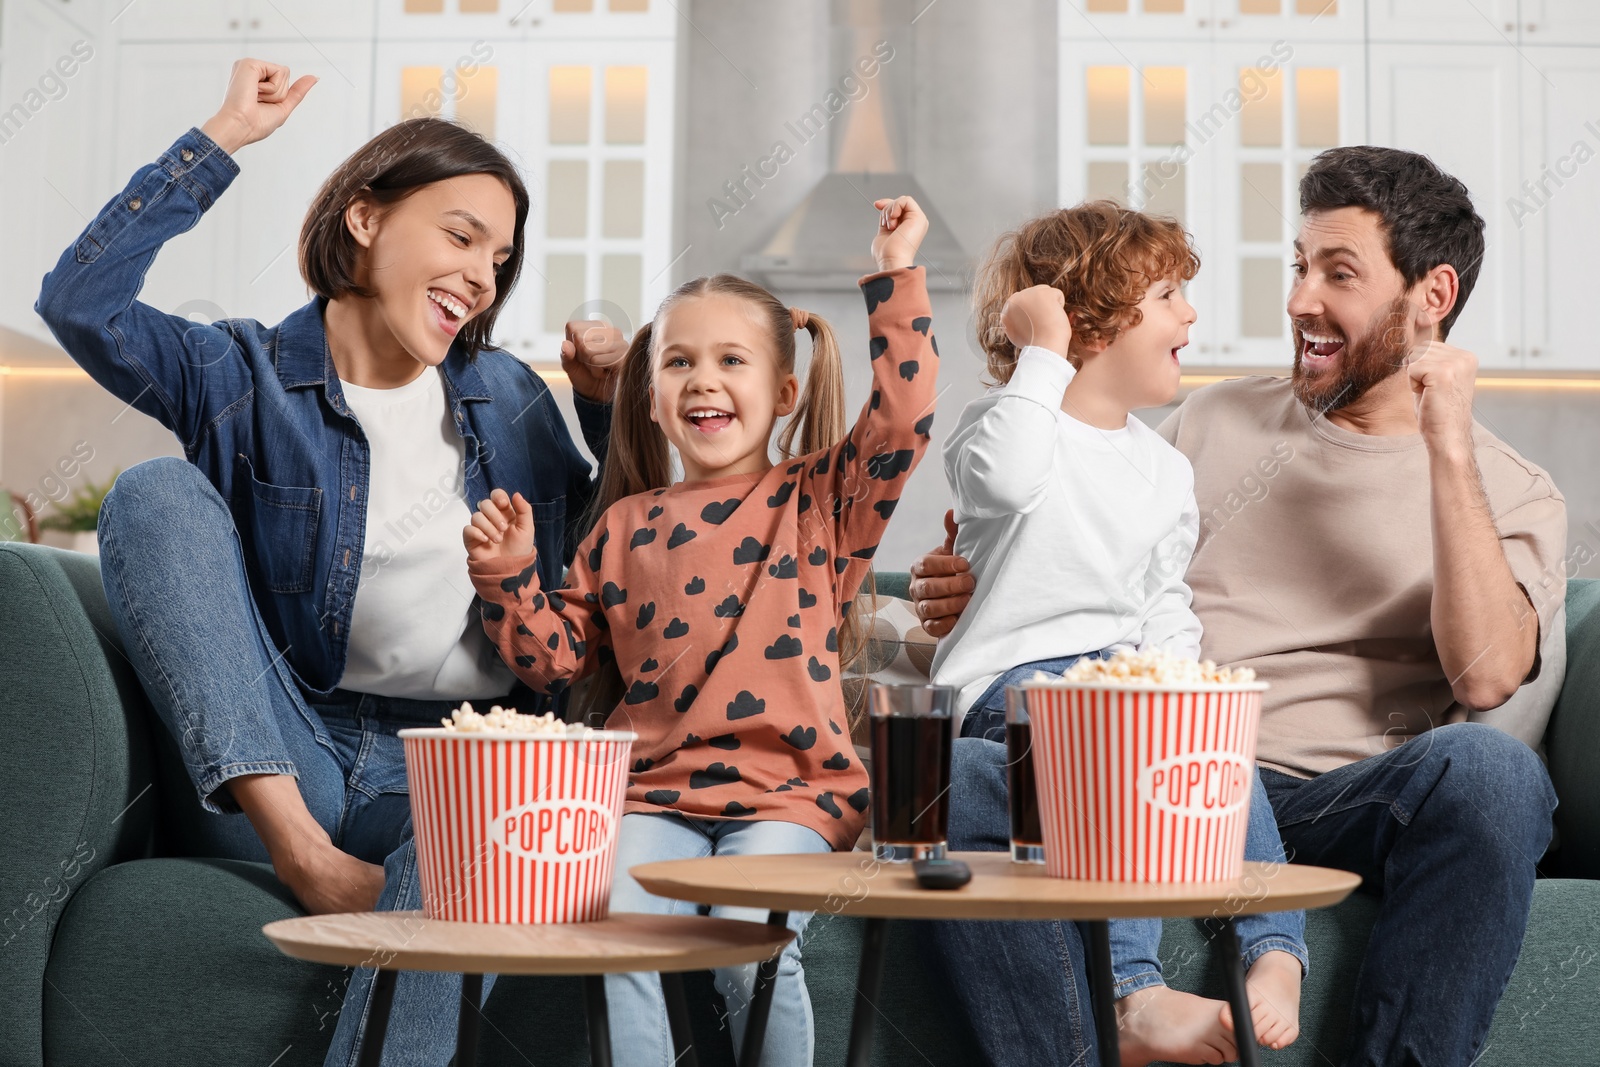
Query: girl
x: 1080, y: 521
x: 722, y: 599
x: 285, y: 595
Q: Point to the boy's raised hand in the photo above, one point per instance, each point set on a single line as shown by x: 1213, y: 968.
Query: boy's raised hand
x: 502, y: 528
x: 1038, y: 316
x: 901, y: 228
x: 258, y: 100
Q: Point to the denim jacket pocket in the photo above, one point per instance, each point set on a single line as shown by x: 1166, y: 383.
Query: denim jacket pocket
x: 282, y: 524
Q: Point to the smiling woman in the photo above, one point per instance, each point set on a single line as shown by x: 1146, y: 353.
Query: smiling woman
x: 354, y: 432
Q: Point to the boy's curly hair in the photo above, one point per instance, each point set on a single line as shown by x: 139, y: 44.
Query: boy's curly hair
x: 1101, y: 255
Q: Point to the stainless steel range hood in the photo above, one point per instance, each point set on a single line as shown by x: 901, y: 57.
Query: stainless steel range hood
x: 824, y: 244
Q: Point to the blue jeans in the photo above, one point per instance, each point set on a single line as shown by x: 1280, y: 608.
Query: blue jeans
x: 174, y: 577
x: 1447, y: 828
x: 639, y: 1030
x: 1136, y: 943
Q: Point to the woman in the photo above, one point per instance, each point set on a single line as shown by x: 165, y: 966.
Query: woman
x: 295, y: 593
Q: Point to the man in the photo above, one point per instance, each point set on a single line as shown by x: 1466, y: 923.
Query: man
x: 1395, y: 572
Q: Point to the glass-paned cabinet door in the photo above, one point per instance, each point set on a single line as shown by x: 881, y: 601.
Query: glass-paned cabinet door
x: 1459, y: 106
x: 1128, y: 133
x: 1273, y: 110
x: 1295, y: 22
x: 1128, y: 20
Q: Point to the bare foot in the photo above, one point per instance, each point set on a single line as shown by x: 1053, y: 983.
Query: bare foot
x: 326, y: 880
x: 1158, y: 1023
x: 1273, y: 985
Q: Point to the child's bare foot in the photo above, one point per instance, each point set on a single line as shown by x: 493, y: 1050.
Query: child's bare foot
x: 1273, y: 985
x: 1158, y: 1023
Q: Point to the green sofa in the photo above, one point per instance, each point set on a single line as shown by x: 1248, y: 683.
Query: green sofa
x: 118, y: 948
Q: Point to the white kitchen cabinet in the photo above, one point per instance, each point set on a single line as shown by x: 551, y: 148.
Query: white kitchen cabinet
x: 1197, y: 22
x: 1559, y: 22
x: 1294, y: 22
x: 1555, y: 208
x: 1134, y: 20
x: 508, y: 20
x: 1485, y: 22
x: 55, y: 77
x: 255, y: 21
x: 241, y: 259
x: 1459, y: 106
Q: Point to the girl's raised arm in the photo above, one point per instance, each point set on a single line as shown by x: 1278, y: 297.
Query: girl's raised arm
x: 180, y: 372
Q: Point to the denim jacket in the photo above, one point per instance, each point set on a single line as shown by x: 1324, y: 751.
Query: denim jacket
x: 260, y: 410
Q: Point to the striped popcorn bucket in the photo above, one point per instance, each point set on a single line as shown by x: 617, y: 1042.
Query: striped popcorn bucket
x: 1145, y: 784
x: 512, y: 828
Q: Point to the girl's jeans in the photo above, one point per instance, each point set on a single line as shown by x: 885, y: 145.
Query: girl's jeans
x: 639, y: 1033
x: 174, y: 576
x: 1136, y: 943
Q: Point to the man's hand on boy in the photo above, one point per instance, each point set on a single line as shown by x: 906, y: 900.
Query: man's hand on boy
x: 1038, y: 316
x: 942, y: 584
x: 901, y: 228
x: 502, y: 528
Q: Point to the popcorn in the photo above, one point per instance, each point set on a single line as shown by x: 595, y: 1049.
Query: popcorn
x: 467, y: 721
x: 1151, y: 668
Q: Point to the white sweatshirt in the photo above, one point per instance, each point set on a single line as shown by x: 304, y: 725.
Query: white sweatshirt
x: 1078, y: 537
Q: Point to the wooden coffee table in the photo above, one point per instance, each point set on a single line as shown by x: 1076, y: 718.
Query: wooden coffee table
x: 407, y: 941
x: 853, y: 883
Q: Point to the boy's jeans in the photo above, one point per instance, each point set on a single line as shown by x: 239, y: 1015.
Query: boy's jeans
x: 639, y: 1030
x: 174, y: 577
x: 1136, y: 943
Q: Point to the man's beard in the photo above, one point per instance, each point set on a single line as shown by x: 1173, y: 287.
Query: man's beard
x: 1366, y: 361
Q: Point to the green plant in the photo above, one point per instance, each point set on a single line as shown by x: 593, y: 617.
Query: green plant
x: 81, y: 514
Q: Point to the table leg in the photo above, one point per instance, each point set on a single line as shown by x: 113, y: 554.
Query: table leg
x: 1103, y: 993
x: 755, y: 1030
x: 378, y: 1018
x: 683, y: 1054
x: 869, y: 982
x: 1244, y: 1030
x: 467, y: 1025
x: 594, y: 1005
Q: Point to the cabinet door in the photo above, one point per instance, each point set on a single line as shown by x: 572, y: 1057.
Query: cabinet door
x: 298, y: 21
x: 1560, y: 22
x: 1275, y: 111
x: 1459, y: 107
x: 1131, y: 20
x: 1555, y: 209
x: 279, y: 176
x: 181, y: 20
x: 162, y: 90
x: 497, y: 21
x: 1295, y: 22
x: 52, y: 144
x: 1478, y: 22
x: 1129, y: 133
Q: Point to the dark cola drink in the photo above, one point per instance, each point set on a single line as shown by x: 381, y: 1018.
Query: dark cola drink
x: 1027, y: 833
x: 911, y: 738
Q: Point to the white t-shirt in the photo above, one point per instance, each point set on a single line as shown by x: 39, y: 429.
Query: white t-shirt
x: 1078, y: 537
x: 413, y: 633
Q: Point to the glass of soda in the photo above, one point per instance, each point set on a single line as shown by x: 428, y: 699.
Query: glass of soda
x: 911, y: 737
x: 1027, y: 836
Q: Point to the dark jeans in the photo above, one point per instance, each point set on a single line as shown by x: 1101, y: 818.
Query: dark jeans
x: 1447, y: 828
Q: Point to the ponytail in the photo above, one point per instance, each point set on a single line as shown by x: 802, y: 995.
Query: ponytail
x: 818, y: 419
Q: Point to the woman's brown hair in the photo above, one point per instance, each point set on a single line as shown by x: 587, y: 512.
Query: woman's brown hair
x: 386, y: 170
x: 1102, y: 256
x: 638, y: 458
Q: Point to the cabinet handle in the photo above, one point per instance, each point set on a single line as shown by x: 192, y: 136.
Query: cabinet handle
x: 1535, y: 353
x: 1511, y: 27
x: 1223, y: 24
x: 255, y: 24
x: 233, y: 24
x: 1532, y: 28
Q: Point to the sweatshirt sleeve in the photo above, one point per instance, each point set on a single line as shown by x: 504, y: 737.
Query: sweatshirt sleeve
x: 1001, y: 462
x: 549, y: 639
x: 1172, y: 624
x: 855, y: 485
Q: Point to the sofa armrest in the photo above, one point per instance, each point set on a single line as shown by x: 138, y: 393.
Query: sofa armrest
x: 76, y: 793
x: 1572, y: 742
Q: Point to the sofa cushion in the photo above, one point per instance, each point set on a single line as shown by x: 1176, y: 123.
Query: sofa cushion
x: 1573, y: 738
x: 74, y: 746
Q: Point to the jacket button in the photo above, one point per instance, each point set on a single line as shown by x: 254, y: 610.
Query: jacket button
x: 187, y: 154
x: 352, y: 492
x: 135, y: 204
x: 347, y: 557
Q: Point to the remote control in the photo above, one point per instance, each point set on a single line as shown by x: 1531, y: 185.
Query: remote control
x: 941, y: 874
